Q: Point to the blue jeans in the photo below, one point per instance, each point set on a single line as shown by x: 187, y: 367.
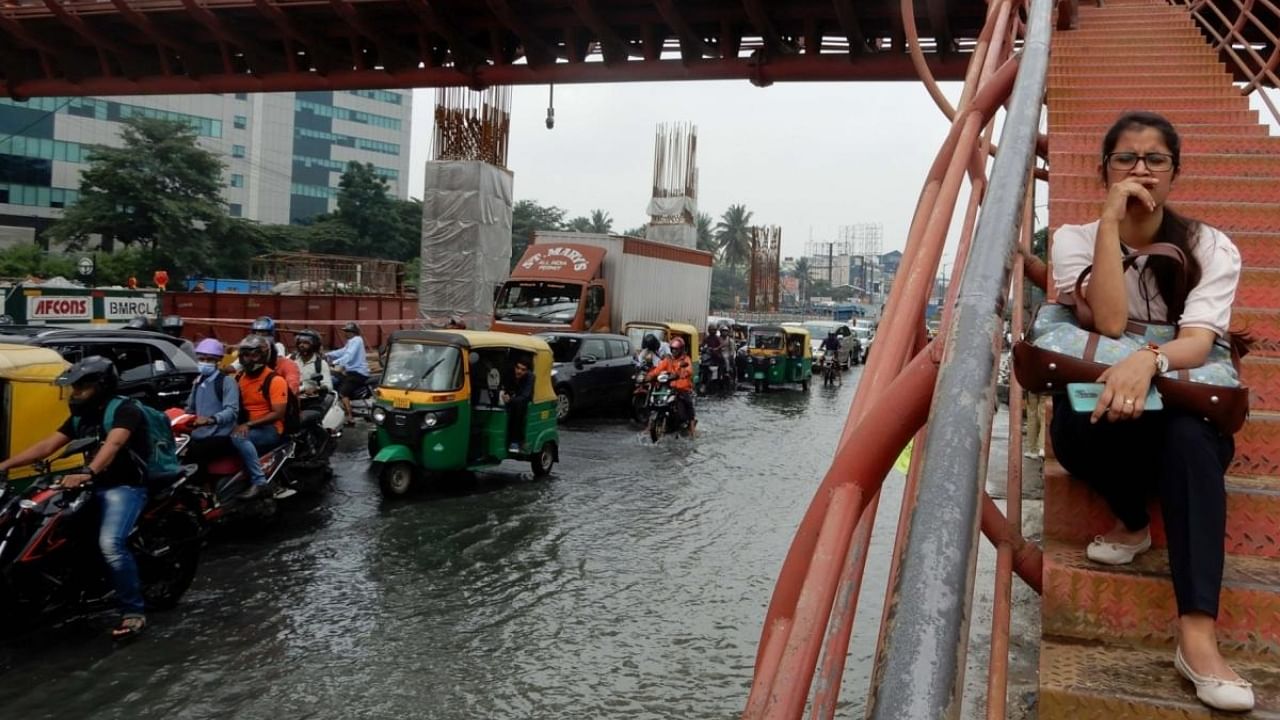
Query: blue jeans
x: 121, y: 507
x: 260, y: 439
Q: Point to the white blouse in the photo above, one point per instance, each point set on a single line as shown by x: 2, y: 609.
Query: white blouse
x: 1209, y: 302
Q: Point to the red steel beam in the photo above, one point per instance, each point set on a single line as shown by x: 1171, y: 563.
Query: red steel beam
x: 464, y: 53
x: 692, y: 45
x: 792, y: 68
x: 847, y: 14
x: 612, y: 47
x: 254, y: 52
x: 320, y: 56
x: 759, y: 18
x: 536, y: 50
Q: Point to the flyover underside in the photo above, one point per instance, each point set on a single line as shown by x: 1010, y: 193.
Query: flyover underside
x: 68, y: 47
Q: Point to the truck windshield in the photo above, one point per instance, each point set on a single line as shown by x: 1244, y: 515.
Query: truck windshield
x: 415, y: 366
x: 538, y: 302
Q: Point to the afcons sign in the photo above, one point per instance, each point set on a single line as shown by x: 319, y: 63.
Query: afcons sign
x: 52, y: 307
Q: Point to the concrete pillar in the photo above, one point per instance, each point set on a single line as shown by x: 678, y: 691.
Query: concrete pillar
x: 466, y: 240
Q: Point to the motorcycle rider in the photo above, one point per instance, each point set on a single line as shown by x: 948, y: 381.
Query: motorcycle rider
x: 279, y: 361
x: 680, y: 368
x: 831, y: 349
x: 353, y: 363
x: 118, y: 471
x: 310, y: 361
x: 215, y: 401
x: 172, y: 325
x: 261, y: 417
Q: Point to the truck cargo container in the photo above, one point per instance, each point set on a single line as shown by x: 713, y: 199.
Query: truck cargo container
x: 591, y: 282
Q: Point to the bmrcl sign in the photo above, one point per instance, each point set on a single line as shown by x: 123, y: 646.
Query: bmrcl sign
x: 127, y: 308
x: 53, y: 307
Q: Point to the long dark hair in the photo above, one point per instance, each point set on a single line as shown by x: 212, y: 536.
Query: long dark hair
x: 1175, y: 228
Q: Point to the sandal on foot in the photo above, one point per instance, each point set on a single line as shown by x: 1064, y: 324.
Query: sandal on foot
x: 129, y: 627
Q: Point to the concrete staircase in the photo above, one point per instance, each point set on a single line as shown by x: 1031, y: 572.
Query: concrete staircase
x: 1107, y: 647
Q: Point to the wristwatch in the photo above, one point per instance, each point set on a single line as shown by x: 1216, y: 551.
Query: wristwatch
x: 1162, y: 360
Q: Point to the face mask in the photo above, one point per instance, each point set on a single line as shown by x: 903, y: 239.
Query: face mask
x: 207, y: 368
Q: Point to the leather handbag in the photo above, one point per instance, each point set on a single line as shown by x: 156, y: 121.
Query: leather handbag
x: 1061, y: 347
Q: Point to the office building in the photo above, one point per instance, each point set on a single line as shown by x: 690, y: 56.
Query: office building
x: 284, y: 152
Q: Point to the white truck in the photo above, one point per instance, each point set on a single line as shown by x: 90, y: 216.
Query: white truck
x: 593, y: 282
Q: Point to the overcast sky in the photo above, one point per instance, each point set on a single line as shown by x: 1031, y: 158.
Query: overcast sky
x: 810, y: 157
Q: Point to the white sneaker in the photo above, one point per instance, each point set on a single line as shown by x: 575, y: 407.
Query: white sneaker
x: 1219, y: 694
x: 1111, y: 553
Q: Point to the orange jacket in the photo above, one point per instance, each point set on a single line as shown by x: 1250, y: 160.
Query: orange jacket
x: 682, y: 370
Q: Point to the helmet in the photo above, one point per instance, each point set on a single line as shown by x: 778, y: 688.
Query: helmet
x: 210, y: 347
x: 255, y: 352
x: 351, y: 327
x: 172, y: 325
x: 96, y: 371
x: 651, y: 342
x: 677, y: 346
x: 140, y: 322
x: 307, y: 335
x: 264, y: 324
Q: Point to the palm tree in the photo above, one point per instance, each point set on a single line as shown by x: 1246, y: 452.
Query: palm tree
x: 733, y: 235
x: 579, y: 224
x: 801, y: 273
x: 601, y: 222
x: 706, y: 235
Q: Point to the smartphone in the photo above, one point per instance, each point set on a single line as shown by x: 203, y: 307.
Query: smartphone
x: 1084, y: 397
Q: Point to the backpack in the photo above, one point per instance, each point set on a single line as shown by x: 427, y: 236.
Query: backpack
x: 292, y: 408
x: 162, y: 462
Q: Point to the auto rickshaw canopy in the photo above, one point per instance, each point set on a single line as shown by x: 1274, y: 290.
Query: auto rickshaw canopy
x: 467, y: 340
x: 27, y: 363
x: 688, y: 332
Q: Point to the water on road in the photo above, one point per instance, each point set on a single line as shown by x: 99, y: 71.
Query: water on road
x: 632, y: 583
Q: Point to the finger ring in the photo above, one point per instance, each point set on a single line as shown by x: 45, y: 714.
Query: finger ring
x: 1128, y: 401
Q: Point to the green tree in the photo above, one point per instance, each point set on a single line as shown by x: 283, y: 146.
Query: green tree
x: 733, y: 236
x: 635, y: 232
x: 601, y: 222
x: 579, y: 224
x: 706, y: 232
x: 25, y: 260
x: 158, y: 192
x: 801, y: 273
x: 374, y: 216
x: 528, y: 216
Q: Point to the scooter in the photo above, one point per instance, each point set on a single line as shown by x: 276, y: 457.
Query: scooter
x: 714, y: 376
x: 321, y: 423
x: 664, y: 418
x: 830, y: 370
x: 49, y: 556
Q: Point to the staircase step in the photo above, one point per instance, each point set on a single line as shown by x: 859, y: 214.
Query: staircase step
x: 1138, y: 93
x: 1263, y: 324
x: 1194, y: 165
x: 1114, y: 82
x: 1203, y: 189
x: 1259, y: 287
x: 1253, y: 513
x: 1102, y: 123
x: 1262, y: 375
x: 1091, y: 142
x: 1229, y: 217
x: 1134, y: 603
x: 1258, y: 446
x: 1086, y: 681
x: 1259, y: 250
x: 1164, y: 106
x: 1060, y: 117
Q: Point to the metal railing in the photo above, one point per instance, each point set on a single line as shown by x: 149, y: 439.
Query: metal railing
x: 1229, y: 38
x: 814, y: 603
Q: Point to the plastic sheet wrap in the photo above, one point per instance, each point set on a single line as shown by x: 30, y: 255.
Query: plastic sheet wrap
x: 466, y: 241
x: 683, y: 235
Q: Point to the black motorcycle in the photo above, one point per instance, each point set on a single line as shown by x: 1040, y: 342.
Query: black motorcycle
x: 830, y: 369
x: 49, y: 556
x: 714, y: 375
x: 664, y: 415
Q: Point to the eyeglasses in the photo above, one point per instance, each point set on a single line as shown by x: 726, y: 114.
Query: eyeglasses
x: 1155, y: 162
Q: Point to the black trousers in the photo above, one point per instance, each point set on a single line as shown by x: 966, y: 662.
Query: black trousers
x: 1179, y: 456
x: 516, y: 412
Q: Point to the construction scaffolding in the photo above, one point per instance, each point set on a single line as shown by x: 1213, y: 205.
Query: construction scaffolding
x: 472, y: 125
x: 301, y: 273
x: 765, y: 282
x: 673, y: 205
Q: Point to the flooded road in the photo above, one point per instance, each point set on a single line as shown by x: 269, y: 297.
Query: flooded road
x: 632, y: 583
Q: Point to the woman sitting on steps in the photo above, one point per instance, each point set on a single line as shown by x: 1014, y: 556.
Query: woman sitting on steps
x: 1122, y: 452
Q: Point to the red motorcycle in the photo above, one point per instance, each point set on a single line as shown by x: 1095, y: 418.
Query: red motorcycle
x: 219, y: 483
x: 49, y: 556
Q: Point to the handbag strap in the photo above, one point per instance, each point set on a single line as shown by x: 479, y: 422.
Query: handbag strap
x: 1084, y: 313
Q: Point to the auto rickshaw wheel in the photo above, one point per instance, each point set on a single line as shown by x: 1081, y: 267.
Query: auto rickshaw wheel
x: 564, y: 403
x: 543, y: 460
x: 396, y: 479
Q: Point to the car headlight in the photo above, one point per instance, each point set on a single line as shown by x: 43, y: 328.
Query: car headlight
x: 429, y: 421
x: 379, y: 415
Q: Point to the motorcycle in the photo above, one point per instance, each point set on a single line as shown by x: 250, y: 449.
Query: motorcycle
x: 830, y: 370
x: 664, y: 418
x: 219, y: 482
x: 362, y: 400
x: 714, y: 375
x: 49, y: 556
x: 321, y: 424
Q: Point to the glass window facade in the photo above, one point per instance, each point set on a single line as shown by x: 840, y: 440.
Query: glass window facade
x: 45, y: 149
x: 237, y: 181
x: 339, y: 167
x: 348, y: 141
x: 99, y: 109
x: 241, y: 122
x: 385, y: 96
x: 16, y: 194
x: 234, y: 210
x: 340, y: 113
x: 314, y: 191
x: 242, y: 96
x: 237, y: 151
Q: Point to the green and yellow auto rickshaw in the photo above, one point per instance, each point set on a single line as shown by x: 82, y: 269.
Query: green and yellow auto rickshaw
x: 442, y: 406
x: 665, y: 332
x: 779, y: 354
x: 33, y: 407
